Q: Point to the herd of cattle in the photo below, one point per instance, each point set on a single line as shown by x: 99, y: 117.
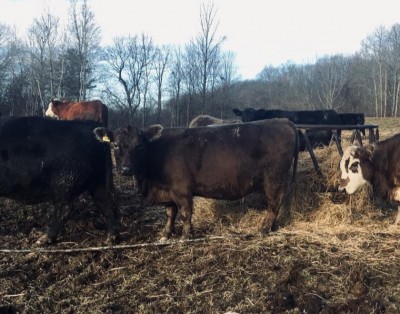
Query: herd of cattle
x: 44, y: 159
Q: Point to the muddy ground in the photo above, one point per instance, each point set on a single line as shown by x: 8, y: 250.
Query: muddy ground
x: 339, y: 254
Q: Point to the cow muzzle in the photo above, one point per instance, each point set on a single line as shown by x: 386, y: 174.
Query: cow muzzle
x: 343, y: 184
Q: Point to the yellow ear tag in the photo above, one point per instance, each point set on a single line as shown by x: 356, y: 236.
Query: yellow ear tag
x: 106, y: 138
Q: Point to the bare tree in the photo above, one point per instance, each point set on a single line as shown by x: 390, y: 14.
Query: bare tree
x: 162, y: 55
x: 128, y: 59
x: 191, y: 69
x: 374, y: 47
x: 43, y: 42
x: 228, y: 74
x: 85, y: 38
x: 175, y: 84
x: 331, y: 74
x: 11, y: 67
x: 6, y: 35
x: 394, y: 61
x: 207, y: 47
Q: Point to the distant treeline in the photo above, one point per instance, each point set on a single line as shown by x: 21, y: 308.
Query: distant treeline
x: 143, y: 83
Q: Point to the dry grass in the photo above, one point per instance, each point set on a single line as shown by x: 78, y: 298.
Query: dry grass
x: 339, y: 254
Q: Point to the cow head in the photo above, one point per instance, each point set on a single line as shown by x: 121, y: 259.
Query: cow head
x: 128, y: 145
x: 247, y: 114
x: 356, y: 168
x: 52, y: 109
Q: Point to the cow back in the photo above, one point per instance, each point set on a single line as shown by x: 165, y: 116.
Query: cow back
x: 40, y: 156
x: 93, y: 110
x: 226, y: 162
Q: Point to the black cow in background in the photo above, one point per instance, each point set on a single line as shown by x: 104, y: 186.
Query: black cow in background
x: 296, y: 116
x: 351, y: 119
x: 48, y: 160
x: 317, y: 138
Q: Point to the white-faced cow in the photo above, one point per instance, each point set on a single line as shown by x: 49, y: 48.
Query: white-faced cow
x: 78, y: 110
x: 377, y: 164
x: 48, y: 160
x: 228, y: 162
x: 206, y: 120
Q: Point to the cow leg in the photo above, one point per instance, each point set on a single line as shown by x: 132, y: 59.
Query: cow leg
x: 169, y: 229
x: 274, y: 194
x: 397, y: 220
x: 60, y: 213
x: 186, y: 216
x: 184, y: 201
x: 105, y: 200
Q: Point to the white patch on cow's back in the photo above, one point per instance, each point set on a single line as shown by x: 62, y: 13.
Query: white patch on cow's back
x: 354, y: 177
x: 50, y: 112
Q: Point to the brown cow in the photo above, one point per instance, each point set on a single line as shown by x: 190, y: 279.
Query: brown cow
x: 81, y: 110
x: 228, y: 162
x: 377, y: 164
x: 206, y: 120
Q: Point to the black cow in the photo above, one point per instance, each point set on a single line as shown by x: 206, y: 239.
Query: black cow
x: 250, y: 114
x: 351, y: 119
x: 42, y: 159
x: 377, y: 164
x: 296, y: 116
x: 317, y: 138
x: 172, y: 166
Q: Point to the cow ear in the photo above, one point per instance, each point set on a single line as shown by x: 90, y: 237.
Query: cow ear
x: 237, y: 112
x: 153, y: 132
x: 369, y: 151
x: 103, y: 135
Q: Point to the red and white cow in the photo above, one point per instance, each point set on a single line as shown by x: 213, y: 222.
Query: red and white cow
x: 78, y: 110
x: 377, y: 164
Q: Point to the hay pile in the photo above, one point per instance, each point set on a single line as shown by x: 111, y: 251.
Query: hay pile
x: 339, y: 254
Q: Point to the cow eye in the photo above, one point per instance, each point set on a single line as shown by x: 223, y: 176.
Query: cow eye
x: 115, y: 146
x: 354, y: 166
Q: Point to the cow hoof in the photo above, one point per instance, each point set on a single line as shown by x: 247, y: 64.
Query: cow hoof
x: 163, y: 239
x: 113, y: 239
x: 43, y: 240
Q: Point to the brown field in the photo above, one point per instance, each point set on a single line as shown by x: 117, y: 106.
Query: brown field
x: 339, y: 254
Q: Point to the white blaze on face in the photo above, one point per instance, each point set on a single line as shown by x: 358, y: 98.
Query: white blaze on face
x: 50, y: 112
x: 351, y: 173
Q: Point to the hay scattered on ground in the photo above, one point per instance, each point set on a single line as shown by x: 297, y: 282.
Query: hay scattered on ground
x: 339, y: 254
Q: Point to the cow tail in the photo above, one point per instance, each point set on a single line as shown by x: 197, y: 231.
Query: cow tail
x: 296, y: 155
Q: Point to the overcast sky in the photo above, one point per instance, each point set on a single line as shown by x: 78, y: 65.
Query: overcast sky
x: 259, y: 32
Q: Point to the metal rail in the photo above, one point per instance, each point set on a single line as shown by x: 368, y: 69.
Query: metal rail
x: 373, y: 136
